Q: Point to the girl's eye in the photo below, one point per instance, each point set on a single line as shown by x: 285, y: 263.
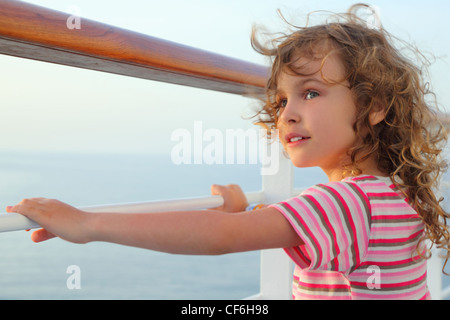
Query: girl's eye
x: 311, y: 95
x: 282, y: 103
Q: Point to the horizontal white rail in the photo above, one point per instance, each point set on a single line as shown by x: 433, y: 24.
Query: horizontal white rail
x: 15, y: 221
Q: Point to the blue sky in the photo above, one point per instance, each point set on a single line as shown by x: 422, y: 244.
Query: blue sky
x: 55, y: 108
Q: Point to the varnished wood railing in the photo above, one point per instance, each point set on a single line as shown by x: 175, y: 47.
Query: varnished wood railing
x: 34, y: 32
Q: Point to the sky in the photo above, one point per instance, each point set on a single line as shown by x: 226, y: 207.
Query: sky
x: 46, y: 107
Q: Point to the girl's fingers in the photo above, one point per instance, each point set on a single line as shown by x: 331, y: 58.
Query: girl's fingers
x: 41, y: 235
x: 234, y: 198
x: 216, y: 190
x: 25, y: 207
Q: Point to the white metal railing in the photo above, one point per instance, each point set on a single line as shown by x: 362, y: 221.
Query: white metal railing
x: 15, y: 221
x: 435, y: 263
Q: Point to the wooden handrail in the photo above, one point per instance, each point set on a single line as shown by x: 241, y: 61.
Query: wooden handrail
x: 38, y: 33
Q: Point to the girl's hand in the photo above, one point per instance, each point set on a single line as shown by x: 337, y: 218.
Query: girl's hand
x: 56, y: 218
x: 234, y: 198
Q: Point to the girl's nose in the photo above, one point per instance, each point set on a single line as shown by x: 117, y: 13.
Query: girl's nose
x: 290, y: 113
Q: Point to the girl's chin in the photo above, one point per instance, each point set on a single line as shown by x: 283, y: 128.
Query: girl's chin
x: 302, y: 163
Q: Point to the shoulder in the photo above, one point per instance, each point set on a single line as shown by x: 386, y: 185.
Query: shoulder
x: 333, y: 220
x: 339, y: 200
x: 347, y: 192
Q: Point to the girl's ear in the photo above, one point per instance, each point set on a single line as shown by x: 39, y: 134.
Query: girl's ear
x: 376, y: 116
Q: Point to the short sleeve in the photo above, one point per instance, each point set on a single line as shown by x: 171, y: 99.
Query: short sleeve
x: 333, y: 220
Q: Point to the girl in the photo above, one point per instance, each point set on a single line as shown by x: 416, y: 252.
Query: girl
x: 344, y: 99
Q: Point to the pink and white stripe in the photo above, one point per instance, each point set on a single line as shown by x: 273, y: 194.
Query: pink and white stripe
x: 360, y: 242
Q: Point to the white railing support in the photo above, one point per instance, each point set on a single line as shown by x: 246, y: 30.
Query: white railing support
x: 434, y: 275
x: 15, y: 221
x: 276, y: 267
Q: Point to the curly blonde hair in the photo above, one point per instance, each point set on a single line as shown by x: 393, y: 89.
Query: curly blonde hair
x: 409, y: 141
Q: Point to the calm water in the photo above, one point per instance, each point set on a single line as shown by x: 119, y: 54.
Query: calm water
x: 38, y: 271
x: 108, y: 271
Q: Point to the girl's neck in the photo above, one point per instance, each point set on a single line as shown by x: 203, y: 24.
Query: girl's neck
x: 369, y: 167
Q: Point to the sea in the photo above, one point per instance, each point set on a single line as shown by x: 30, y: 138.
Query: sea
x: 105, y: 271
x: 45, y: 270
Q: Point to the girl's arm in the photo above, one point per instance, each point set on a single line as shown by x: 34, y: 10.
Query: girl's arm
x: 206, y: 232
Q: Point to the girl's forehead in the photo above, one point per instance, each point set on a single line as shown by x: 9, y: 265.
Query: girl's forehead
x: 328, y: 67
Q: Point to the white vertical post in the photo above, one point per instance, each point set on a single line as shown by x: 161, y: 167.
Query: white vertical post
x: 276, y: 266
x: 434, y: 275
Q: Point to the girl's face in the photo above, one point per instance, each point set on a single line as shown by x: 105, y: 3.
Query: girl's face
x: 317, y: 116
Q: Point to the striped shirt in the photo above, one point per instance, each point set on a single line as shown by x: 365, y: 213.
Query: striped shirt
x: 360, y: 238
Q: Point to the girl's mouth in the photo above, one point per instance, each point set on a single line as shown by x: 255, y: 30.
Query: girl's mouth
x: 294, y: 139
x: 297, y: 139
